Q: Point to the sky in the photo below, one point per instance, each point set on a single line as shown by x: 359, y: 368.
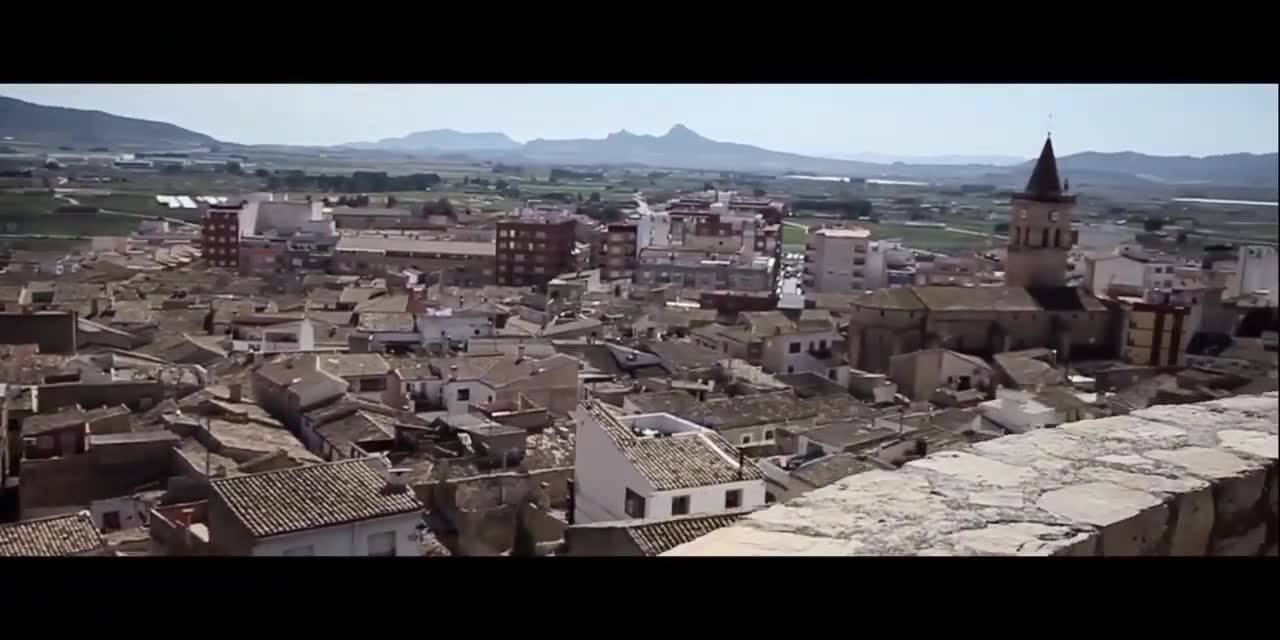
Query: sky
x: 907, y: 120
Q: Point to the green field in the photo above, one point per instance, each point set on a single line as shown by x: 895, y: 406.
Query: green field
x: 924, y: 238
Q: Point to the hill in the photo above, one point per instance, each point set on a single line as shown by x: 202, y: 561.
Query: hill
x: 441, y: 140
x: 1235, y: 168
x: 29, y: 122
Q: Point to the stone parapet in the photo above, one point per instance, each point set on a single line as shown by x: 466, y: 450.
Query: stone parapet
x: 1194, y: 479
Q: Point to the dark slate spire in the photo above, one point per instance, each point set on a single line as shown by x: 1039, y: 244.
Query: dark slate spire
x: 1044, y: 183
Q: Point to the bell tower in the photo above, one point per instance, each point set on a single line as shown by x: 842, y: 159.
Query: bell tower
x: 1040, y: 228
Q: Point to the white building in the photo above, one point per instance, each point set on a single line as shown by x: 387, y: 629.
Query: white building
x: 285, y: 337
x: 356, y: 507
x: 1125, y: 273
x: 443, y: 326
x: 809, y: 348
x: 655, y: 466
x: 1019, y: 411
x: 835, y: 260
x: 1257, y: 274
x: 1103, y: 237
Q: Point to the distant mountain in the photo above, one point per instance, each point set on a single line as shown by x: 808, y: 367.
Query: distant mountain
x: 441, y: 140
x: 1235, y: 168
x: 681, y: 147
x: 952, y: 160
x: 29, y: 122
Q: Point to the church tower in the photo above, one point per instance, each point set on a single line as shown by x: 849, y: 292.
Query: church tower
x: 1040, y: 228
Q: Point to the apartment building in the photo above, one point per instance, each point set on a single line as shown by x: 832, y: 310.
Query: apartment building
x: 1152, y: 333
x: 620, y: 251
x: 835, y: 260
x: 220, y: 235
x: 534, y: 249
x: 705, y: 270
x: 468, y: 263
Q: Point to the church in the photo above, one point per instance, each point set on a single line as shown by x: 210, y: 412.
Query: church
x: 1035, y: 308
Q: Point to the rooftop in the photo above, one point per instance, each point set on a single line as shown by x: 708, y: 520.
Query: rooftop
x: 57, y: 536
x: 828, y: 469
x: 311, y: 497
x: 401, y: 244
x: 976, y: 298
x: 682, y: 461
x: 856, y: 232
x: 654, y: 538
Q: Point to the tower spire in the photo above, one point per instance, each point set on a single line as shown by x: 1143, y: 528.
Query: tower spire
x: 1044, y: 183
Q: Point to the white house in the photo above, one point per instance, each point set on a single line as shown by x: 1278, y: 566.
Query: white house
x: 807, y: 346
x: 444, y: 326
x: 656, y: 466
x: 285, y: 337
x: 1257, y: 271
x: 1019, y: 411
x: 356, y: 507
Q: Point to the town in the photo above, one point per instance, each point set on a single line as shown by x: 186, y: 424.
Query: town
x: 208, y: 355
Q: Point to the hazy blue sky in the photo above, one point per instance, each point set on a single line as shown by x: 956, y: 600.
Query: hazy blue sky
x: 812, y: 119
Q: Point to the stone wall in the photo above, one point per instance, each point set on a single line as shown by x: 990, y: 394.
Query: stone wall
x: 1194, y: 479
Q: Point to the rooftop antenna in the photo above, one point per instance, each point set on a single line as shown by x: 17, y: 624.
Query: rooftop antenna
x: 1049, y: 126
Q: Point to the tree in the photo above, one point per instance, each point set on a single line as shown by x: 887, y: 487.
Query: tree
x: 1182, y: 237
x: 500, y: 185
x: 595, y: 196
x: 707, y: 186
x: 1153, y: 223
x: 391, y: 202
x: 579, y: 196
x: 758, y: 192
x: 262, y: 173
x: 234, y: 168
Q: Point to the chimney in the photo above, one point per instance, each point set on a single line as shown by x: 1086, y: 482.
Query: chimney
x: 397, y: 478
x: 520, y: 353
x: 234, y: 392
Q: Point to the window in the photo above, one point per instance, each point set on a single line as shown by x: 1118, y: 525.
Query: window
x: 679, y: 505
x: 746, y: 439
x: 305, y: 550
x: 768, y: 434
x: 1057, y: 237
x: 769, y: 498
x: 831, y: 375
x: 822, y: 345
x: 382, y: 544
x: 634, y: 504
x: 733, y: 498
x: 111, y: 521
x: 464, y: 395
x: 795, y: 347
x: 1044, y: 237
x: 791, y: 369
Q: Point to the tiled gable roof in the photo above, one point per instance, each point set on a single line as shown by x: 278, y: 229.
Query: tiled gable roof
x: 311, y: 497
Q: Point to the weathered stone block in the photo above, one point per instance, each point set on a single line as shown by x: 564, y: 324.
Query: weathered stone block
x: 1131, y: 522
x: 1253, y: 443
x: 1238, y: 483
x: 1020, y: 538
x: 1248, y: 544
x: 1192, y: 524
x: 974, y: 468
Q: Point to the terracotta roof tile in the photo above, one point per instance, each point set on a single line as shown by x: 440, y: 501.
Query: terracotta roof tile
x: 310, y: 497
x: 56, y: 536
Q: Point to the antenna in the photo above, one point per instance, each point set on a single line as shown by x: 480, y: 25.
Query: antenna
x: 1049, y: 125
